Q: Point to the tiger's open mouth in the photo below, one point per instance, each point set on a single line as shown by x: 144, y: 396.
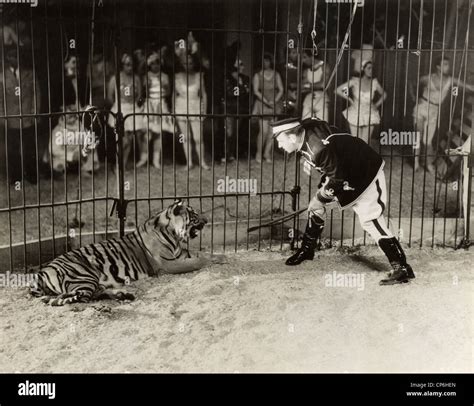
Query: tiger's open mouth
x: 196, y: 227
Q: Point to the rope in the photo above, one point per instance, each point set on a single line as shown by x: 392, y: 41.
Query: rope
x: 464, y: 51
x: 232, y: 215
x: 91, y: 51
x: 278, y: 220
x: 343, y: 46
x: 87, y: 146
x: 91, y: 142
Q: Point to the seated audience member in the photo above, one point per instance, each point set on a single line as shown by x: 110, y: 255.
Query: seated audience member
x: 70, y: 144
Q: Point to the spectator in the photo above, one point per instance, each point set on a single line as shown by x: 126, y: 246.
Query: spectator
x: 131, y: 99
x: 290, y: 69
x: 236, y: 101
x: 15, y: 32
x: 158, y: 90
x: 190, y: 97
x: 183, y: 48
x: 362, y: 113
x: 316, y: 102
x: 98, y: 74
x: 75, y: 99
x: 23, y: 96
x: 74, y: 85
x: 268, y: 89
x: 140, y: 63
x: 289, y: 74
x: 435, y: 88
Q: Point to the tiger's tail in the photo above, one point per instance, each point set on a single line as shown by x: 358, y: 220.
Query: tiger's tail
x: 79, y: 296
x: 60, y: 300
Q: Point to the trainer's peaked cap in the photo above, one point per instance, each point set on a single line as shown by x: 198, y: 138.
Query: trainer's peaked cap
x: 285, y: 125
x: 292, y: 123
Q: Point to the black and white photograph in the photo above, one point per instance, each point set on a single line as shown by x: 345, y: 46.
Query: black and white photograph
x: 237, y: 187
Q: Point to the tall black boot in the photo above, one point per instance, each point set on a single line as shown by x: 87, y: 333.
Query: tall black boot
x: 402, y: 272
x: 314, y: 227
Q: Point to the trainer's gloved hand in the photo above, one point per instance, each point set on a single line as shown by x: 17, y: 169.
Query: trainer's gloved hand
x: 307, y: 168
x: 325, y: 195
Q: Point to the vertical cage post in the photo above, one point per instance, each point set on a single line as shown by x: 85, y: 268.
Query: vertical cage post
x: 295, y: 192
x: 119, y: 133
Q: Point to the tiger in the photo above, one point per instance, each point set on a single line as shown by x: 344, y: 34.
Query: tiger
x: 85, y: 274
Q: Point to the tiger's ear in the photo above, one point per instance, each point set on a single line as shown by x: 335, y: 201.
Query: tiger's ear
x: 178, y: 202
x: 178, y: 209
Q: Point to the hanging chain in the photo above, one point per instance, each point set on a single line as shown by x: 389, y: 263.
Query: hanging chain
x: 313, y: 32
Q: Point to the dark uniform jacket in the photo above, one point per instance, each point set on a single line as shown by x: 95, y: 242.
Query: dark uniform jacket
x: 348, y: 164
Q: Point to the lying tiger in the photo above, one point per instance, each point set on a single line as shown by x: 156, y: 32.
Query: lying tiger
x: 84, y: 274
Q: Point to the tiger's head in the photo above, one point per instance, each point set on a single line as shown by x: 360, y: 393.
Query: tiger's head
x: 182, y: 220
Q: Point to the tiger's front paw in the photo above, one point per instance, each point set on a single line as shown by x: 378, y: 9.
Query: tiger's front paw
x: 124, y: 296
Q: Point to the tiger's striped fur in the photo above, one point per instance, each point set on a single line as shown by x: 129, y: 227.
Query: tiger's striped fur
x: 84, y: 274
